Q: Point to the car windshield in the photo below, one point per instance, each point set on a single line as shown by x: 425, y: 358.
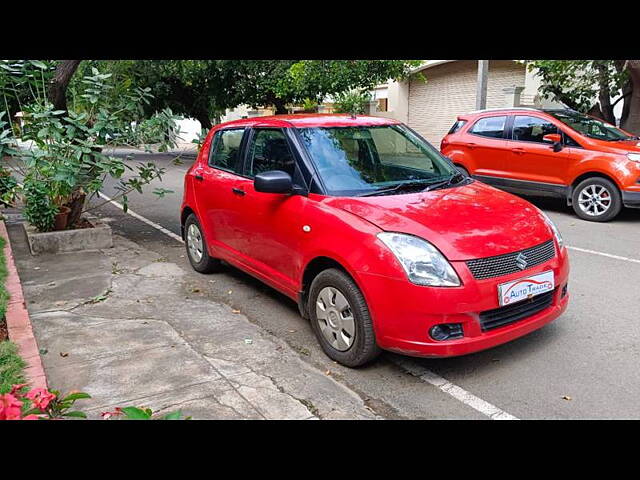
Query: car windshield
x: 363, y: 160
x: 591, y: 127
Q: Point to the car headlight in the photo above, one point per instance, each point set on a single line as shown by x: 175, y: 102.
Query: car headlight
x: 422, y: 262
x: 553, y: 227
x: 634, y: 157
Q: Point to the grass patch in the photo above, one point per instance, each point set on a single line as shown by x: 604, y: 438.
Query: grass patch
x: 4, y: 295
x: 11, y: 366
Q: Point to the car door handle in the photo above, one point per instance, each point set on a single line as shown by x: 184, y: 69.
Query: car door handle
x: 471, y: 145
x: 518, y: 151
x: 238, y: 191
x: 199, y: 177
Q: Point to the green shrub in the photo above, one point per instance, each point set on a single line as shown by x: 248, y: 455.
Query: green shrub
x: 39, y: 209
x: 351, y: 102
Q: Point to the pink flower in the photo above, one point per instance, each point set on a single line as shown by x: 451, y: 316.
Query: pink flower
x: 31, y: 417
x: 108, y: 415
x: 9, y: 407
x: 40, y: 397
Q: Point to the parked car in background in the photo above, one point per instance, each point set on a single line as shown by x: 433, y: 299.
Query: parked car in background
x: 380, y: 240
x: 595, y: 166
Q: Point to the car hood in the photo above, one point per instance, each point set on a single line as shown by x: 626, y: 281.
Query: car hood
x: 470, y: 221
x: 623, y: 147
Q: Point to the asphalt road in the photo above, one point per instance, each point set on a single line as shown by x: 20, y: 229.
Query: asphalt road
x: 583, y: 365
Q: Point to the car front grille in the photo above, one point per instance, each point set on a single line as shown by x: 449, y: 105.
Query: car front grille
x: 490, y: 267
x: 499, y: 317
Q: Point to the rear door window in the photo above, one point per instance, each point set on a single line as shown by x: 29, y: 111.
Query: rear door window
x: 492, y: 127
x: 225, y: 153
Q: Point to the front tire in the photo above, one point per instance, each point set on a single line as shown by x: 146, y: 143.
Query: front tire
x: 340, y: 319
x: 196, y: 246
x: 596, y: 199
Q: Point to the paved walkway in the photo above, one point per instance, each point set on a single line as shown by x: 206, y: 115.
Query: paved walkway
x: 127, y: 327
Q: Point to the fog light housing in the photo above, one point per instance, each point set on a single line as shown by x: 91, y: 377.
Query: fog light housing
x: 564, y: 290
x: 446, y: 331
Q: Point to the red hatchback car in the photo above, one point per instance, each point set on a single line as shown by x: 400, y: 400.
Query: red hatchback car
x: 382, y: 242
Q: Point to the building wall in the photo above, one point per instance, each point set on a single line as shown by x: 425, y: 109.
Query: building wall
x: 450, y: 90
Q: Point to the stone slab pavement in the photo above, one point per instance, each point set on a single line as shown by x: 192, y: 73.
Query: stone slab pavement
x: 127, y: 327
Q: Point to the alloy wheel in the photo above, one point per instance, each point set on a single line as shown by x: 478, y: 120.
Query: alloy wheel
x: 594, y: 200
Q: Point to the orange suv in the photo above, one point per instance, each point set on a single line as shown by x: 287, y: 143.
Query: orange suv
x: 562, y: 153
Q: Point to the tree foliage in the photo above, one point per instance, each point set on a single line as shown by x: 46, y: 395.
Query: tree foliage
x: 591, y: 86
x: 203, y: 89
x: 64, y: 161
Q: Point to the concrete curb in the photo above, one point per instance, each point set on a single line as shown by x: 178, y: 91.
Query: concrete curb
x: 18, y: 321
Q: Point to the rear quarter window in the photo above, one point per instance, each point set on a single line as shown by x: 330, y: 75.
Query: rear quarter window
x: 456, y: 126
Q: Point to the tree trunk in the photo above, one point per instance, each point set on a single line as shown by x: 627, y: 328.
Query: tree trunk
x: 281, y: 109
x: 627, y: 90
x: 595, y: 111
x: 76, y: 204
x: 604, y: 95
x: 60, y: 82
x: 205, y: 121
x: 632, y: 123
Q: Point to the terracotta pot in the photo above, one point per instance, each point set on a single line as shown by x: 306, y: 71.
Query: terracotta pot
x: 60, y: 222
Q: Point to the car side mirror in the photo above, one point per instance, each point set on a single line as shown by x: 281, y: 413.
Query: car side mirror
x: 552, y: 138
x: 555, y: 139
x: 274, y: 181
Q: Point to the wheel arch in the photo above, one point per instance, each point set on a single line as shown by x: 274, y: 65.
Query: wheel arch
x: 458, y: 159
x: 311, y: 270
x: 186, y: 211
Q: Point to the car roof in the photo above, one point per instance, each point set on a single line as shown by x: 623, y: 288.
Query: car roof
x: 310, y: 120
x: 520, y: 109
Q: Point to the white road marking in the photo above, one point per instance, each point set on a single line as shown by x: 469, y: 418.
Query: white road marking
x: 602, y: 254
x: 455, y: 391
x: 142, y: 219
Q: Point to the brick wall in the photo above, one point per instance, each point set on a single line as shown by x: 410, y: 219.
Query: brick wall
x: 450, y: 90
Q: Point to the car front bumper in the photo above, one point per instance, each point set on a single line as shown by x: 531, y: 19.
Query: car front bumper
x: 403, y: 312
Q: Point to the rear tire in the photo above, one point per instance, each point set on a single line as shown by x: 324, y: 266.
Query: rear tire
x: 596, y: 199
x: 197, y: 249
x: 340, y: 319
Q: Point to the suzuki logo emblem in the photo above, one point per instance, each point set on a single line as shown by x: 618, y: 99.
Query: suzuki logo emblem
x: 521, y: 261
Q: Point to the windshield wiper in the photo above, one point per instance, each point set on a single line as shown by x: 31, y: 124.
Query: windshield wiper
x: 454, y: 179
x: 399, y: 186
